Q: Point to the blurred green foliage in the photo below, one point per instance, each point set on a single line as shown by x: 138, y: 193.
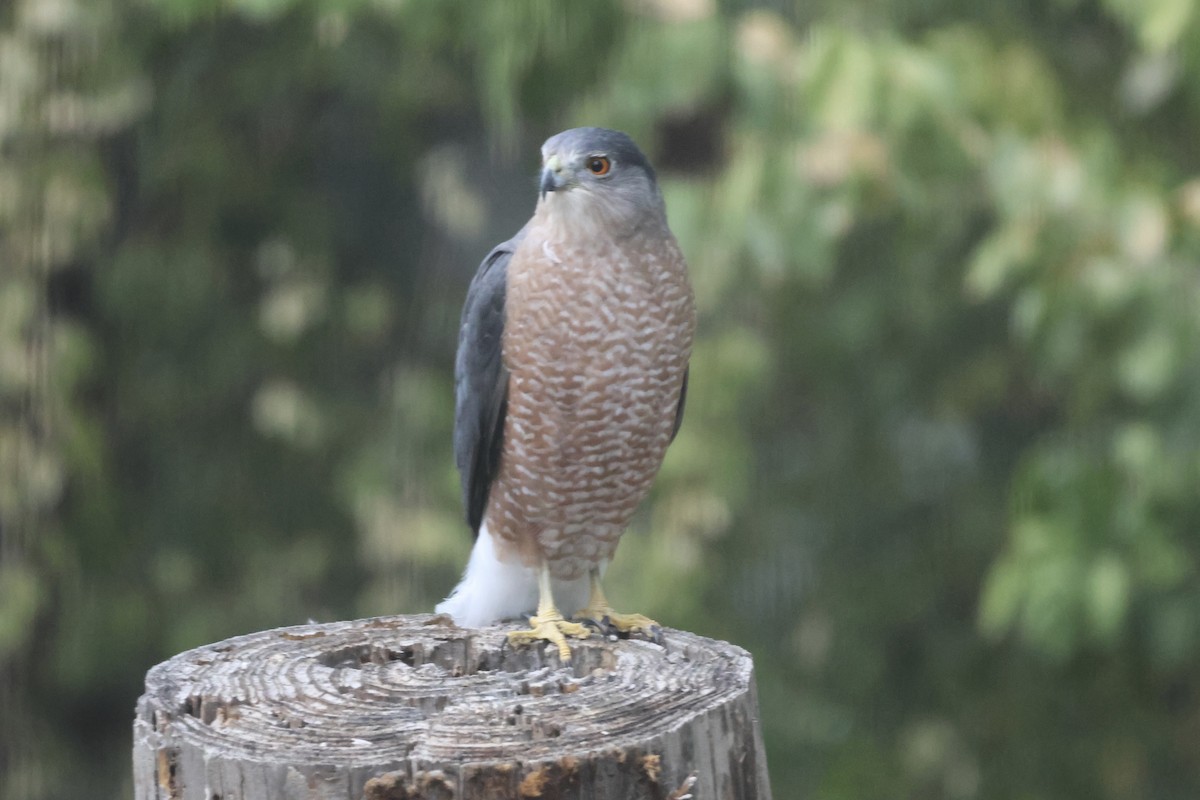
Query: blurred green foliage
x: 941, y: 466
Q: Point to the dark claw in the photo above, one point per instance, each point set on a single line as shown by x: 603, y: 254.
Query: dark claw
x: 606, y: 628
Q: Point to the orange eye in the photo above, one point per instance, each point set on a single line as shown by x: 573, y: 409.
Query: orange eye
x: 599, y: 165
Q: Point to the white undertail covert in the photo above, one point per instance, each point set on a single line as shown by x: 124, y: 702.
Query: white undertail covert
x: 492, y: 590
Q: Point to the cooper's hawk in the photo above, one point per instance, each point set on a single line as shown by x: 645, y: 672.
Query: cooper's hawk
x: 570, y: 381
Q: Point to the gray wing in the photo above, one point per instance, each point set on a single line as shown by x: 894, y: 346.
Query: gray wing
x: 682, y: 403
x: 481, y: 382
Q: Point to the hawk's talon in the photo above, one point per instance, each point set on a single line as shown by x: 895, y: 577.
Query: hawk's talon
x: 550, y: 627
x: 627, y: 624
x: 599, y: 612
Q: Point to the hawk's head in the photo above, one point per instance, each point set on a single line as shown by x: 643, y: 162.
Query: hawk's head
x: 596, y: 175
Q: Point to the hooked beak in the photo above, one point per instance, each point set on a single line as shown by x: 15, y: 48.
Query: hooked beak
x: 552, y: 179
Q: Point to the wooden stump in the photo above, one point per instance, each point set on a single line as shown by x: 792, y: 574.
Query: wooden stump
x: 401, y: 708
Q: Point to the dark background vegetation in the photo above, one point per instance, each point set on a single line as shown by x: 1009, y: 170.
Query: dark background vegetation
x: 941, y: 467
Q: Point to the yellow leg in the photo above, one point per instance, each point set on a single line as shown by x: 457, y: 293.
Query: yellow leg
x: 600, y: 612
x: 548, y: 625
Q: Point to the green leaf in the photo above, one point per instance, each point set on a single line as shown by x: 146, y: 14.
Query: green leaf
x: 1108, y: 593
x: 1003, y: 593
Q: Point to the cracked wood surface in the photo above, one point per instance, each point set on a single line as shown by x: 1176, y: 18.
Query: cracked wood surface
x: 414, y: 708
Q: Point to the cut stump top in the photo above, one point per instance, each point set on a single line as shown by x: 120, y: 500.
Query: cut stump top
x: 413, y: 707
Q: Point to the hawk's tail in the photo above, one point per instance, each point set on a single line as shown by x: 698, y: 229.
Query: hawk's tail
x: 490, y: 589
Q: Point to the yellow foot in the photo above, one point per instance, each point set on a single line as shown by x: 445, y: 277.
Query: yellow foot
x: 607, y: 619
x: 550, y: 628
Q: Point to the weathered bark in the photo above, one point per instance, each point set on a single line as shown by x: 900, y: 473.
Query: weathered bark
x: 400, y: 708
